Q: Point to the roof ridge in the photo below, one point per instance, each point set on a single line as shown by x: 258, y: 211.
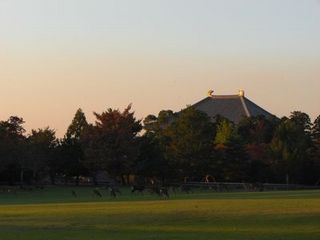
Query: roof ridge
x: 245, y: 107
x: 225, y: 96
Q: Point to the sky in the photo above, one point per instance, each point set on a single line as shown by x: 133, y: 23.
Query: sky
x: 59, y: 55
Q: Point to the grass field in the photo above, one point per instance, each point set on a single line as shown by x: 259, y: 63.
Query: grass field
x: 54, y: 214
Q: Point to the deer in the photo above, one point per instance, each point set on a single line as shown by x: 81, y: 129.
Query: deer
x: 74, y: 194
x: 96, y: 192
x: 135, y: 188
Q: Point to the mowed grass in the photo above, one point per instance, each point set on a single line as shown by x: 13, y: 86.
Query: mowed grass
x: 55, y: 214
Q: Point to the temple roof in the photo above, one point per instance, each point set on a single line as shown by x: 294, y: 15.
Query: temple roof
x: 232, y: 107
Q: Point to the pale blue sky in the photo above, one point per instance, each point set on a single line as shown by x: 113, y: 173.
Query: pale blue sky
x: 58, y: 55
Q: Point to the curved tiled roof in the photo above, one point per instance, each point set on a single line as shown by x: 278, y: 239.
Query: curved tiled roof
x: 232, y: 107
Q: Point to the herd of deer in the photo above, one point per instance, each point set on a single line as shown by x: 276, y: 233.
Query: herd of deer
x: 161, y: 191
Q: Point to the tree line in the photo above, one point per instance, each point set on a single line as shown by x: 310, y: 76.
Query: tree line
x: 171, y: 147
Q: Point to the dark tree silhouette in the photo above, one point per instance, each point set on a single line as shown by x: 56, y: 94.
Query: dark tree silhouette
x: 111, y: 144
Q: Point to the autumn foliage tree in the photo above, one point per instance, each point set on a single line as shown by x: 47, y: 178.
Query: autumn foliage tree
x: 111, y: 143
x: 172, y: 146
x: 257, y: 132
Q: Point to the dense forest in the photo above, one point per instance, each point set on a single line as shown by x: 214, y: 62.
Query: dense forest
x: 168, y: 147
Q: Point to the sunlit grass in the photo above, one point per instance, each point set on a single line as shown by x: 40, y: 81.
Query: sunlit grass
x: 203, y: 215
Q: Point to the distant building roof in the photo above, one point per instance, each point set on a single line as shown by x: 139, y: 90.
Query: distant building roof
x: 232, y: 107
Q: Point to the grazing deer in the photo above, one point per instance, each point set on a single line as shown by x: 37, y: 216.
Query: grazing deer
x: 74, y: 194
x: 160, y: 191
x: 113, y: 191
x: 113, y: 188
x: 96, y: 192
x: 135, y: 188
x: 164, y: 192
x: 186, y: 189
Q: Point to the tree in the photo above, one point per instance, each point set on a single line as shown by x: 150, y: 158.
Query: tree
x: 257, y: 133
x: 41, y: 145
x: 111, y: 144
x: 289, y: 147
x: 150, y: 124
x: 315, y: 150
x: 301, y: 119
x: 257, y: 129
x: 151, y: 161
x: 157, y: 125
x: 225, y: 132
x: 189, y: 142
x: 230, y: 153
x: 71, y: 149
x: 77, y: 126
x: 12, y: 147
x: 316, y: 129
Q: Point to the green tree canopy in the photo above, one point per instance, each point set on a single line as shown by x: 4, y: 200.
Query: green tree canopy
x: 77, y: 126
x: 226, y: 132
x: 71, y: 161
x: 301, y: 119
x: 257, y: 129
x: 289, y: 147
x: 316, y: 129
x: 41, y: 146
x: 190, y: 141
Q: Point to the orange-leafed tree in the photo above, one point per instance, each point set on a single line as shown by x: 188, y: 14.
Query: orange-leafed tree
x: 111, y: 143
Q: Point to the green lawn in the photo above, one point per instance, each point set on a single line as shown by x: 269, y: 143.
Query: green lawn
x: 54, y: 214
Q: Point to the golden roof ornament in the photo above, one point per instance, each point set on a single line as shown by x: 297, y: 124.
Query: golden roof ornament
x: 210, y: 93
